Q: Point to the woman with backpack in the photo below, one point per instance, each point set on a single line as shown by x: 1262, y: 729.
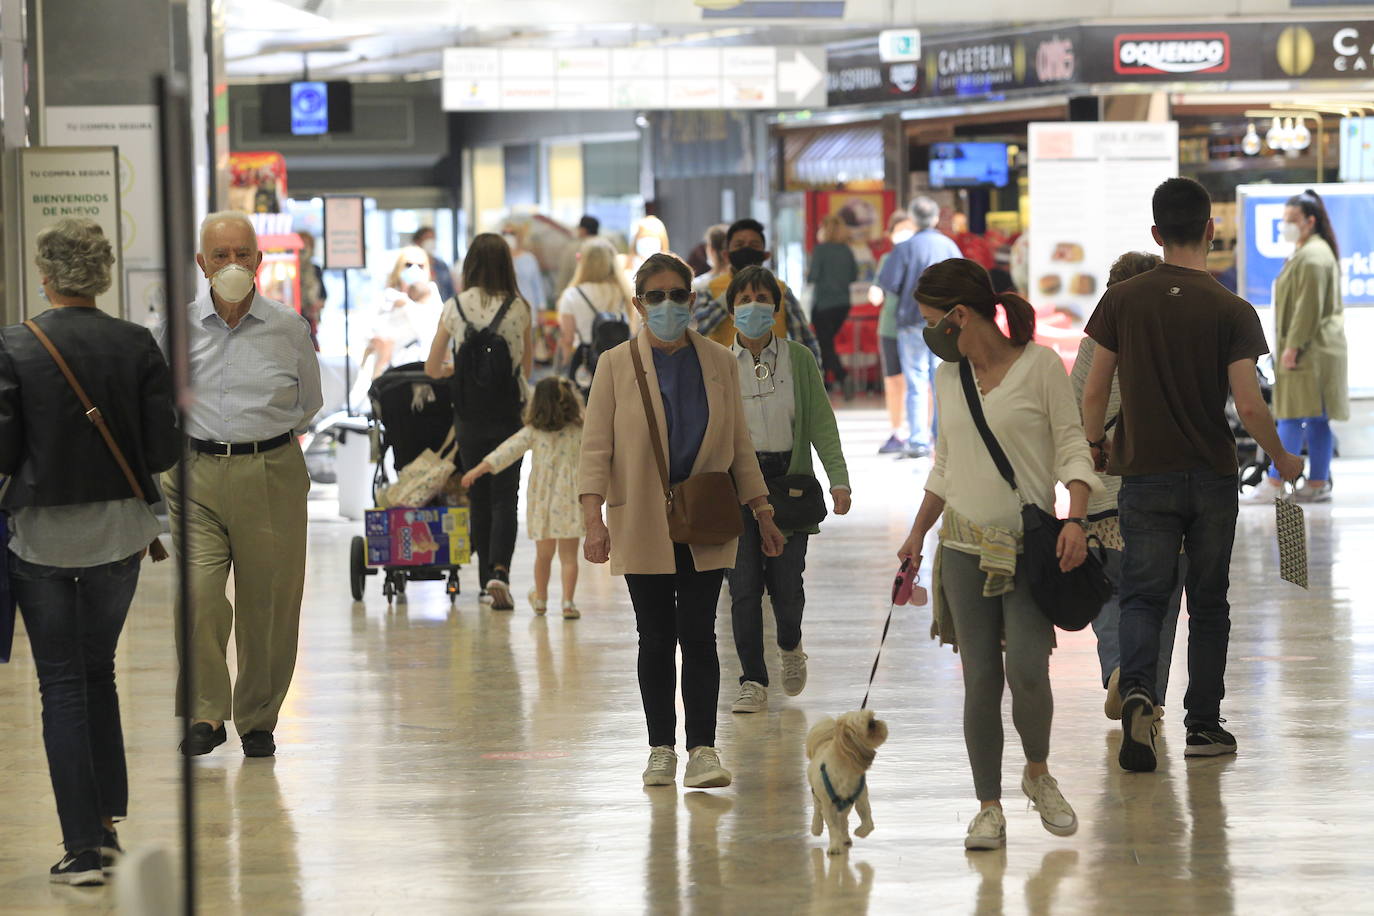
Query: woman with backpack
x: 593, y: 312
x: 488, y: 327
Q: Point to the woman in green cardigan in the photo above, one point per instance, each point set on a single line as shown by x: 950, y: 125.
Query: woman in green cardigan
x: 789, y: 414
x: 1310, y: 386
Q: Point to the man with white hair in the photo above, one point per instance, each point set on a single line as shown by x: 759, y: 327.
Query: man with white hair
x: 901, y: 269
x: 256, y: 383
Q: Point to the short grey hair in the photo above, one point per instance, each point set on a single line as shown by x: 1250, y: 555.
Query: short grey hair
x: 925, y: 212
x: 232, y: 217
x: 76, y: 257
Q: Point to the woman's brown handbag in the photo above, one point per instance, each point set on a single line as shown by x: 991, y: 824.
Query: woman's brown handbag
x: 704, y: 508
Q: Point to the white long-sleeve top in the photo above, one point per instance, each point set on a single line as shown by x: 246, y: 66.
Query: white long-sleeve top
x: 1035, y: 419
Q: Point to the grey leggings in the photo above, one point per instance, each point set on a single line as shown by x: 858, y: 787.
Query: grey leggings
x: 979, y: 625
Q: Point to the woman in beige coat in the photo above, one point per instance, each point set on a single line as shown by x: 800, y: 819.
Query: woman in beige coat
x: 1310, y: 387
x: 694, y: 389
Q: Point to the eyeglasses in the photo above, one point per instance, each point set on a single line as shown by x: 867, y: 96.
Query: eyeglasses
x: 657, y: 296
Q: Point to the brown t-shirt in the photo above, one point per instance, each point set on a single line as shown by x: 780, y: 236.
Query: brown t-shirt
x: 1175, y: 331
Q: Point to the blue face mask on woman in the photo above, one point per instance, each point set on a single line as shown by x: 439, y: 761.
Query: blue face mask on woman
x: 754, y: 319
x: 668, y: 320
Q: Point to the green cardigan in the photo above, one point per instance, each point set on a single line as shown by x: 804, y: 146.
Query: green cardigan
x: 814, y: 425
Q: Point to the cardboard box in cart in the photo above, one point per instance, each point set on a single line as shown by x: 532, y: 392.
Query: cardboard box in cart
x: 418, y: 537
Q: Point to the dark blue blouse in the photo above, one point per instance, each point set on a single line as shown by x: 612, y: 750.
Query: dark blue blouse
x: 684, y: 407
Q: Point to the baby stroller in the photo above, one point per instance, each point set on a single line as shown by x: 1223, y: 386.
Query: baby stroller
x: 1254, y: 461
x: 411, y: 412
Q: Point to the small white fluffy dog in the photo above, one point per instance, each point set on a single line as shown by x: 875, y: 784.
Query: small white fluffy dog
x: 841, y: 751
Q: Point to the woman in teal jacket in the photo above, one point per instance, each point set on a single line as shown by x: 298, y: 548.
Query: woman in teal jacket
x: 789, y: 414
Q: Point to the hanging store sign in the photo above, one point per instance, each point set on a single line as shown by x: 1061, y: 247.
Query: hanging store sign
x: 997, y: 63
x: 1168, y: 53
x: 505, y: 79
x: 57, y: 182
x: 1320, y: 50
x: 858, y: 76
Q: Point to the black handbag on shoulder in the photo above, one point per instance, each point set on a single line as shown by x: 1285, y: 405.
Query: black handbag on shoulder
x: 1073, y: 599
x: 798, y: 501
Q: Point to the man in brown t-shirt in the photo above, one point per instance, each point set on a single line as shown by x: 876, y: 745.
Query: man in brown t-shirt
x: 1181, y: 342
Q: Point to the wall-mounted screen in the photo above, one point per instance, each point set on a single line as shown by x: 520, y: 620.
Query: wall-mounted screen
x: 968, y: 165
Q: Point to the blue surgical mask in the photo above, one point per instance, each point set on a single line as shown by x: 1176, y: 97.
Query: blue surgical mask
x: 669, y: 320
x: 754, y: 319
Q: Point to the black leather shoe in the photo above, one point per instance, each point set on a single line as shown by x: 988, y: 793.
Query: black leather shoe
x: 259, y: 743
x: 202, y: 739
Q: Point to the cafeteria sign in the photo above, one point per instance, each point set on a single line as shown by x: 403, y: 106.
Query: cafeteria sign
x: 57, y: 182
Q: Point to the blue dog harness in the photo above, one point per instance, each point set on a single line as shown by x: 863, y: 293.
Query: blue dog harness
x: 842, y: 804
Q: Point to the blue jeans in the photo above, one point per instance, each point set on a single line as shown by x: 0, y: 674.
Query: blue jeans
x: 1107, y: 625
x: 1315, y: 433
x: 782, y: 576
x: 918, y: 365
x: 1159, y: 513
x: 74, y: 618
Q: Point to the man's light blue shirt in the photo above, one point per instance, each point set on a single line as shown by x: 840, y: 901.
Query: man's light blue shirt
x: 252, y: 382
x: 904, y: 266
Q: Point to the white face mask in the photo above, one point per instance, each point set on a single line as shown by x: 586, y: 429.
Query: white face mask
x: 233, y: 283
x: 647, y: 246
x: 414, y: 276
x: 1291, y: 233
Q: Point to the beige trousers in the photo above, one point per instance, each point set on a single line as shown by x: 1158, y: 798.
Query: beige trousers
x: 247, y: 513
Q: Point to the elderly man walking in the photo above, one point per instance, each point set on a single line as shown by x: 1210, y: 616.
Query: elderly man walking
x: 256, y: 383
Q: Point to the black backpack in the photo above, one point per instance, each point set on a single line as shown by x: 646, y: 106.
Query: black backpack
x: 485, y: 386
x: 609, y: 329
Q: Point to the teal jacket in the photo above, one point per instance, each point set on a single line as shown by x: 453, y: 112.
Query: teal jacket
x: 814, y: 425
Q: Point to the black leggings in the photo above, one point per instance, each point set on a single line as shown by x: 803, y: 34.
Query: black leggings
x: 493, y: 501
x: 671, y: 610
x: 827, y: 323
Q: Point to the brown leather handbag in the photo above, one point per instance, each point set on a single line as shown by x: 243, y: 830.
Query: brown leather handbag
x: 704, y: 508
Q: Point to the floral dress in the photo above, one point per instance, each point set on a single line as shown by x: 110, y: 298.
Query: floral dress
x: 552, y: 509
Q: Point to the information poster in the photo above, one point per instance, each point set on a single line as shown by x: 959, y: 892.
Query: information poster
x: 57, y: 182
x: 344, y: 246
x: 1091, y: 186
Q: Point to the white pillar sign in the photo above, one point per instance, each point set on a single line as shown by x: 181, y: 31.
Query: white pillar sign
x: 72, y: 181
x: 1091, y: 186
x: 344, y: 247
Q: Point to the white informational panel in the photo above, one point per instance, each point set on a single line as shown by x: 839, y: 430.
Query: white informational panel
x: 133, y: 130
x: 1091, y: 186
x: 344, y: 245
x: 506, y: 79
x: 56, y: 182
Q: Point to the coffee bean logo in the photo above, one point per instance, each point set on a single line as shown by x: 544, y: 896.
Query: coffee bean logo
x: 1295, y: 50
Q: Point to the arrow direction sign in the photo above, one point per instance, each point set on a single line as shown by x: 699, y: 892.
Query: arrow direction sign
x: 801, y: 78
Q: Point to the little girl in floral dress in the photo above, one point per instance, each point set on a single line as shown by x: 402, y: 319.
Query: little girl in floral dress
x: 553, y: 517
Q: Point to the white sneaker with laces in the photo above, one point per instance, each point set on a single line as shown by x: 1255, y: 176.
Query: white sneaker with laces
x: 1055, y: 813
x: 1264, y: 493
x: 988, y: 830
x: 662, y: 768
x: 1321, y: 494
x: 793, y: 670
x: 753, y: 697
x: 704, y: 770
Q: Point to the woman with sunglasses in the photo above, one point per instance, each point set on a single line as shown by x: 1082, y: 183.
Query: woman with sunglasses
x: 789, y: 414
x: 693, y: 389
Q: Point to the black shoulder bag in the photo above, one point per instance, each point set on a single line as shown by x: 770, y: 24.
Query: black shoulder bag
x: 1073, y: 599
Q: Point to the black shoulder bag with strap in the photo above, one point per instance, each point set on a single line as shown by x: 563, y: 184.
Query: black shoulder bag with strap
x: 1073, y: 599
x: 485, y: 386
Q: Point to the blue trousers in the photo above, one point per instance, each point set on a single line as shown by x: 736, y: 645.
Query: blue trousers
x: 918, y: 365
x: 1107, y: 626
x: 1315, y: 434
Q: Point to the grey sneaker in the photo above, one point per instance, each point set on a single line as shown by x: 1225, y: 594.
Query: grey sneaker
x: 704, y: 770
x: 753, y: 697
x: 662, y: 768
x: 793, y: 670
x: 1321, y: 494
x: 1055, y: 813
x: 988, y: 830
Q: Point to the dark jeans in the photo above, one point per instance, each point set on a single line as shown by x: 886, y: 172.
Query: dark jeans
x: 782, y: 576
x: 493, y: 501
x: 74, y: 617
x: 827, y: 322
x: 672, y: 610
x: 1196, y: 509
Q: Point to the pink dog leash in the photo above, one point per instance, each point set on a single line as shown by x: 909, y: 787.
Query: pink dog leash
x: 904, y: 587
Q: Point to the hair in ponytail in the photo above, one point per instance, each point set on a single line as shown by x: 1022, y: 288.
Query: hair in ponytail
x: 959, y: 281
x: 1312, y: 205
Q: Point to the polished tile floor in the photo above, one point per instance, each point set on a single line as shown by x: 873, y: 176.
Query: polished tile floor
x: 464, y: 761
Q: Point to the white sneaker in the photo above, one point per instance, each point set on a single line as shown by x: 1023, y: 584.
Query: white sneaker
x: 570, y: 611
x: 753, y: 697
x: 793, y: 670
x: 1055, y: 813
x: 1264, y: 494
x: 1112, y: 705
x: 501, y: 599
x: 988, y: 830
x: 662, y: 768
x: 704, y: 770
x: 1321, y: 494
